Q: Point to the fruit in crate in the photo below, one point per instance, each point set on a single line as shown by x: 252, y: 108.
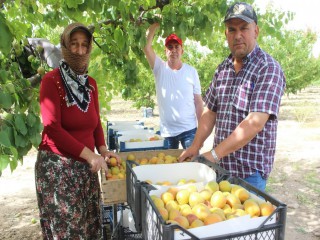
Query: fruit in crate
x: 223, y: 204
x: 213, y: 186
x: 266, y: 208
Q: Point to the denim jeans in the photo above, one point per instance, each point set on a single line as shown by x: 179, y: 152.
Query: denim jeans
x: 186, y: 139
x: 257, y: 181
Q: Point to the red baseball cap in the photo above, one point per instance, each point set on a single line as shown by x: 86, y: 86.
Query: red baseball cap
x: 173, y: 37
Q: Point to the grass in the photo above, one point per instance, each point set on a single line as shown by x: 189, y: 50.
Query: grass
x: 313, y: 179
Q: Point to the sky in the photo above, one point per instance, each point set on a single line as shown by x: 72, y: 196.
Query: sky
x: 306, y: 15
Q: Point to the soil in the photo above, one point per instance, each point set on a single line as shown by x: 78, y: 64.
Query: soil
x: 294, y: 180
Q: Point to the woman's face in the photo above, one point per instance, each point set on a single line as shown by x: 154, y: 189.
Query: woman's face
x: 79, y: 43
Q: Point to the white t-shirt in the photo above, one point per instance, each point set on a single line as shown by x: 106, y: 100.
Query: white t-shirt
x: 175, y: 95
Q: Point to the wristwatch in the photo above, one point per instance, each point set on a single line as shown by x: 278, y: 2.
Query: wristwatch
x: 214, y: 155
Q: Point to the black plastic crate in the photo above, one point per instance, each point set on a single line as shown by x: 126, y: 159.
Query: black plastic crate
x: 155, y: 228
x: 134, y: 187
x: 124, y: 233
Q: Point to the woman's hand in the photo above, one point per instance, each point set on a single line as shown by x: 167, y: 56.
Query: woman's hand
x: 95, y: 161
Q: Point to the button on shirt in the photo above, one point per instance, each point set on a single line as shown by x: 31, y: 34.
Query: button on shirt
x: 257, y: 87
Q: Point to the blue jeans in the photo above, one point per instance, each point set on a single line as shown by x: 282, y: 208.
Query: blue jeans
x: 257, y: 181
x: 186, y: 139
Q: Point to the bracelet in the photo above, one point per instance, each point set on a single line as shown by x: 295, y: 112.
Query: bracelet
x: 215, y: 156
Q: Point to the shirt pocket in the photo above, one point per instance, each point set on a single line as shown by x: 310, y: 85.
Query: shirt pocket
x: 243, y: 96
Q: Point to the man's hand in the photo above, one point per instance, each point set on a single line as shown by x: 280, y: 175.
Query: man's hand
x: 190, y: 152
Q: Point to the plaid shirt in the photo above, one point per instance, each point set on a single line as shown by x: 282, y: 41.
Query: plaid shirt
x: 257, y: 87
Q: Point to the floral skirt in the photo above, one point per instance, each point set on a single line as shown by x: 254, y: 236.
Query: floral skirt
x: 68, y: 195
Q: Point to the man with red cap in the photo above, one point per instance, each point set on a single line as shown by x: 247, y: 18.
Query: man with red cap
x: 178, y: 91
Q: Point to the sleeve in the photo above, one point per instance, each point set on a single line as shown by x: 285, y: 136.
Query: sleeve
x: 98, y: 132
x: 197, y: 85
x: 50, y: 107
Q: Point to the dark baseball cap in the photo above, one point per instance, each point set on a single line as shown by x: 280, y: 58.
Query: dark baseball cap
x: 173, y: 37
x: 243, y: 11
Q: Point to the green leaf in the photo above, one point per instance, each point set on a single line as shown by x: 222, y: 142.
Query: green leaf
x: 5, y: 100
x: 20, y: 124
x: 6, y: 36
x: 118, y: 37
x: 4, y: 161
x: 31, y: 119
x: 4, y: 139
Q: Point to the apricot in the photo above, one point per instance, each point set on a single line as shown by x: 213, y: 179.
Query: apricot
x: 225, y: 186
x: 195, y: 198
x: 212, y: 218
x: 266, y: 208
x: 196, y: 223
x: 166, y: 197
x: 251, y: 207
x: 182, y: 221
x: 218, y: 199
x: 182, y: 196
x: 164, y: 213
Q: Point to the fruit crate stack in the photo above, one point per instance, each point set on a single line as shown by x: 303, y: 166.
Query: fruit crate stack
x: 113, y: 127
x: 253, y: 214
x: 114, y: 189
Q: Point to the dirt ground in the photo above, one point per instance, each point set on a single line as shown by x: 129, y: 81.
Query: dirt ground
x: 295, y: 179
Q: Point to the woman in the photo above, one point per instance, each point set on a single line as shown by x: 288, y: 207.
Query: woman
x: 66, y: 169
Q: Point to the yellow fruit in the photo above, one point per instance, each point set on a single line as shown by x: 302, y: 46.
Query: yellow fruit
x: 185, y: 209
x: 212, y: 218
x: 172, y: 204
x: 144, y: 161
x: 131, y: 157
x: 182, y: 196
x: 158, y: 202
x: 252, y: 207
x: 191, y: 217
x: 242, y: 194
x: 218, y: 211
x: 113, y: 162
x: 181, y: 182
x: 206, y: 194
x: 196, y: 223
x: 232, y: 200
x: 201, y: 211
x: 182, y: 221
x: 195, y: 198
x: 266, y: 208
x: 161, y: 155
x: 115, y: 170
x: 121, y: 175
x: 218, y: 199
x: 234, y: 188
x: 192, y: 188
x: 173, y: 213
x: 173, y: 190
x: 153, y: 160
x: 160, y: 161
x: 166, y: 183
x: 213, y: 186
x: 240, y: 212
x: 227, y: 209
x: 166, y: 197
x: 225, y: 186
x: 164, y: 213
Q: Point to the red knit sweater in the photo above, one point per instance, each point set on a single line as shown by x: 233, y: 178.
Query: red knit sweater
x: 67, y: 130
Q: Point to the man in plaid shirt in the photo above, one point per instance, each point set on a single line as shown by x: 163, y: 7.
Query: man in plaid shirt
x: 242, y: 103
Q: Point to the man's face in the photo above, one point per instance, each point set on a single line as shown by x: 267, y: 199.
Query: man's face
x: 241, y: 37
x: 174, y: 50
